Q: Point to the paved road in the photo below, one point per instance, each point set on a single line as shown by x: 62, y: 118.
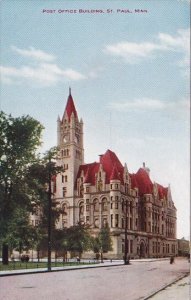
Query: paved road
x: 132, y: 282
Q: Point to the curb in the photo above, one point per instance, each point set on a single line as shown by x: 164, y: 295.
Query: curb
x: 166, y: 286
x: 36, y: 271
x: 59, y: 270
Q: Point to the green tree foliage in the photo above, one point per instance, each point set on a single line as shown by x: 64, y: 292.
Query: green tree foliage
x: 105, y: 239
x: 78, y: 239
x: 103, y: 243
x: 19, y: 139
x: 22, y: 235
x: 38, y: 177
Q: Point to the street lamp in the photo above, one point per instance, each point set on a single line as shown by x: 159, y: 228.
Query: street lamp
x: 126, y: 261
x: 101, y: 250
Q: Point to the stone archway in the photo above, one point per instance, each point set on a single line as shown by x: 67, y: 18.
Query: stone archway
x: 142, y: 249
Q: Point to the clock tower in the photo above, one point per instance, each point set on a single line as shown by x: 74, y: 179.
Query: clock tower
x: 70, y: 143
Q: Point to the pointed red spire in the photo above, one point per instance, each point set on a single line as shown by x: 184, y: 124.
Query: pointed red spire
x: 70, y: 107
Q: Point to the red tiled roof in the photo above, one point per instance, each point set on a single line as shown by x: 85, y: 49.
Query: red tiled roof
x: 134, y: 183
x: 114, y: 174
x: 145, y: 185
x: 70, y: 108
x: 89, y: 172
x: 162, y: 191
x: 114, y: 170
x: 108, y: 161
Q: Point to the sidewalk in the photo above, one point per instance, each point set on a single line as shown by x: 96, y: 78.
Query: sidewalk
x: 65, y: 268
x: 107, y: 263
x: 180, y: 290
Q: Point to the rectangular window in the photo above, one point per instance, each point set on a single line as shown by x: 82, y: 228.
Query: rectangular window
x: 131, y: 246
x: 116, y: 220
x: 111, y: 220
x: 127, y: 246
x: 87, y: 207
x: 64, y: 191
x: 131, y: 224
x: 131, y: 208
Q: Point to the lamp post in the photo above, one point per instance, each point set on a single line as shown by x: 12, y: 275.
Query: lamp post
x: 49, y: 214
x: 101, y: 250
x: 126, y: 261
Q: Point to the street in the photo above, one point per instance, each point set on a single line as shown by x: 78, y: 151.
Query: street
x: 135, y: 281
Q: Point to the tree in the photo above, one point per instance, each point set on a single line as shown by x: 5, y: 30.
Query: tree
x: 22, y: 235
x: 102, y: 243
x: 78, y: 238
x: 105, y: 239
x: 19, y: 139
x: 41, y: 176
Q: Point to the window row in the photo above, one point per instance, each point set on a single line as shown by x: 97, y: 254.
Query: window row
x: 65, y: 152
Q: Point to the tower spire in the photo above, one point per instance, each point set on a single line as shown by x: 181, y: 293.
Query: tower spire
x: 70, y: 107
x: 70, y: 91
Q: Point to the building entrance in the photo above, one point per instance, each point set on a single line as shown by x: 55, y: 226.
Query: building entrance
x: 142, y: 249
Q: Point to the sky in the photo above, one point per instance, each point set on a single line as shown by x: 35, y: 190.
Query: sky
x: 127, y: 63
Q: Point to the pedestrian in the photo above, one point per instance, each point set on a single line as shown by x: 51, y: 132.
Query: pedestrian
x: 171, y: 259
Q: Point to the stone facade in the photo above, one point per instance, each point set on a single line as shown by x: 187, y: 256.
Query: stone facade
x: 183, y: 247
x: 105, y: 192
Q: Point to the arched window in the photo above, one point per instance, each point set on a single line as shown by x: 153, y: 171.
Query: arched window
x: 96, y: 205
x: 104, y: 204
x: 64, y: 209
x: 81, y: 208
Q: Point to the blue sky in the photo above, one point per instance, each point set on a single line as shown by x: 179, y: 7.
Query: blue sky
x: 129, y: 74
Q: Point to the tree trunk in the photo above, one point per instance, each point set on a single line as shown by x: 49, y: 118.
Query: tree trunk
x: 5, y: 254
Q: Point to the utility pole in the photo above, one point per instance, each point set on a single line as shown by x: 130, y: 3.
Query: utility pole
x: 126, y: 262
x: 49, y: 213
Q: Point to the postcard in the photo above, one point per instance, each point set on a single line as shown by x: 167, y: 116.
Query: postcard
x: 109, y: 83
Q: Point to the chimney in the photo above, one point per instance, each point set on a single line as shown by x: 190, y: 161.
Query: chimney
x: 100, y: 156
x: 146, y: 169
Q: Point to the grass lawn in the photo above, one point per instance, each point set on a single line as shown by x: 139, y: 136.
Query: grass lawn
x: 17, y: 265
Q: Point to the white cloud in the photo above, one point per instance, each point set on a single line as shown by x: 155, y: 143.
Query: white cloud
x: 135, y: 52
x: 180, y: 43
x: 34, y: 53
x: 132, y: 52
x: 138, y: 104
x: 44, y: 74
x: 145, y: 104
x: 94, y: 73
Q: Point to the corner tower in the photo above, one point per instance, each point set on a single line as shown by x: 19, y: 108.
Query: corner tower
x: 70, y: 143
